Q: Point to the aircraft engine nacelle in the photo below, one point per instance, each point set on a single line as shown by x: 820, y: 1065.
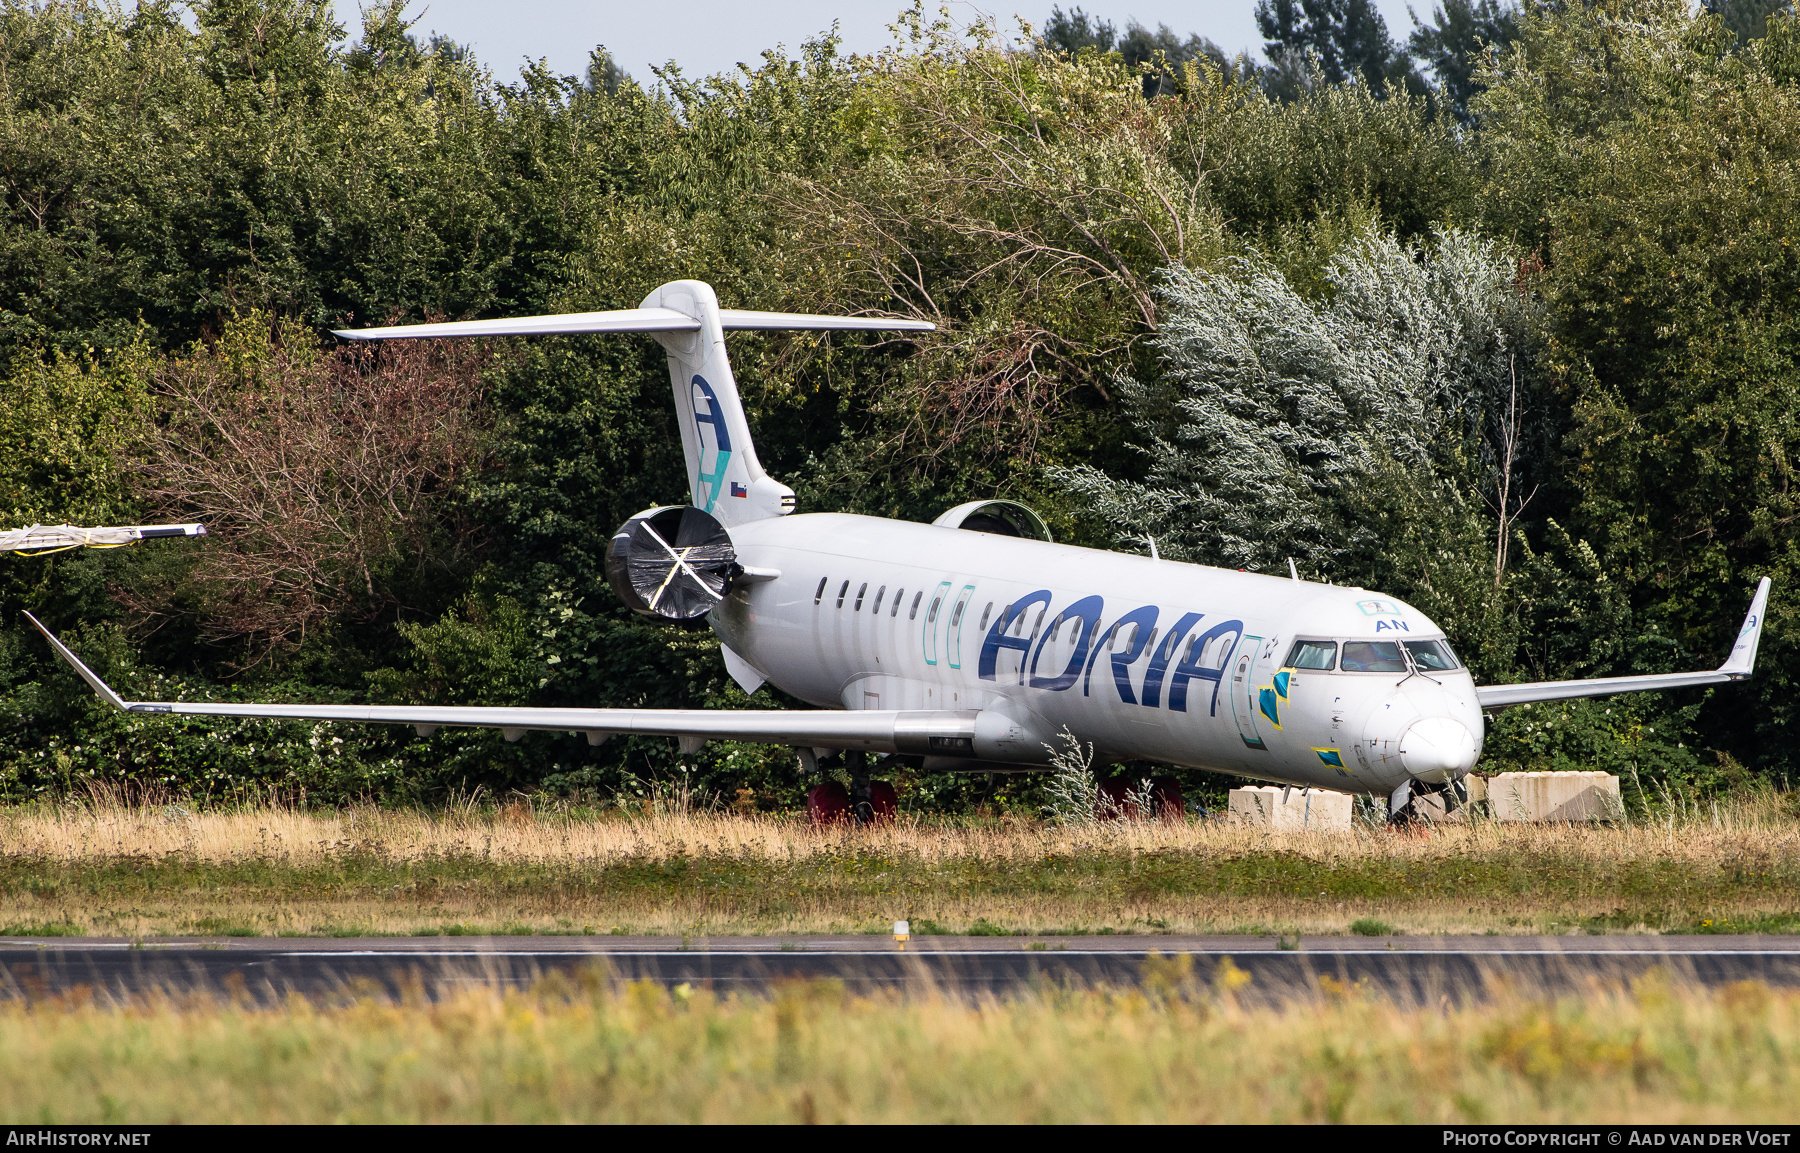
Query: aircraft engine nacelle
x: 674, y: 562
x: 1000, y: 517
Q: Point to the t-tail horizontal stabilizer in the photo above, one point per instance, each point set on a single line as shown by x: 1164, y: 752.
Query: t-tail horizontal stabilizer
x: 1739, y: 665
x: 917, y: 732
x: 638, y: 320
x: 725, y: 479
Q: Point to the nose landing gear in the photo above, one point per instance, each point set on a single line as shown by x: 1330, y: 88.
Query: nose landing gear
x: 1425, y: 802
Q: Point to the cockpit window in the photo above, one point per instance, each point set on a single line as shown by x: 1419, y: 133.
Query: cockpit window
x: 1312, y: 655
x: 1431, y: 656
x: 1372, y: 657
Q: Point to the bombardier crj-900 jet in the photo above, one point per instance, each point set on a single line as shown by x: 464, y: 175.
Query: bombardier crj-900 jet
x: 975, y: 642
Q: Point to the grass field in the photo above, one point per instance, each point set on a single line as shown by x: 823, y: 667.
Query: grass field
x: 585, y: 1049
x: 131, y: 871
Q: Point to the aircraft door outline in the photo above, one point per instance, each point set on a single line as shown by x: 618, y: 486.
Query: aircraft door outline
x: 953, y: 630
x: 1243, y: 692
x: 929, y: 629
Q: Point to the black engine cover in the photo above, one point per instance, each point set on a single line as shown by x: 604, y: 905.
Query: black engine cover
x: 674, y: 562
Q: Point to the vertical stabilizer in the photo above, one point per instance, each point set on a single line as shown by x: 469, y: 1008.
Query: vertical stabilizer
x: 724, y: 476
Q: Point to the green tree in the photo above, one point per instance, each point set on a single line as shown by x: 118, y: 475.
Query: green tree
x: 1346, y: 40
x: 1654, y: 170
x: 1461, y: 32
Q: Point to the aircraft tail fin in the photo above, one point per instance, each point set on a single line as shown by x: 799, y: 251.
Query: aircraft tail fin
x: 1742, y: 660
x: 725, y: 478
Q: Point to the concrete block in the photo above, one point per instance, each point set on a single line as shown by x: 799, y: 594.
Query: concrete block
x: 1567, y: 796
x: 1316, y: 810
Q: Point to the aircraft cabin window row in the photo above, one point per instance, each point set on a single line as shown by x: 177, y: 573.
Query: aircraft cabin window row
x: 862, y: 594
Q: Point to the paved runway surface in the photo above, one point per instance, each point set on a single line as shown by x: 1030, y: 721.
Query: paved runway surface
x: 1417, y: 969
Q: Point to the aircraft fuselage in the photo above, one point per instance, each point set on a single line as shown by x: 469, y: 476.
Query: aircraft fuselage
x: 1145, y: 659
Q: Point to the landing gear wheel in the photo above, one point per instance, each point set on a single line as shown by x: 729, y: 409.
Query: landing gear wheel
x: 1424, y: 803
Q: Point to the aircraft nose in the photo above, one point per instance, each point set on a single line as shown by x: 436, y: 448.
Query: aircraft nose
x: 1438, y: 748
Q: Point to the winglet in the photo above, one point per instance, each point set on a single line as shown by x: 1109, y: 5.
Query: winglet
x: 1743, y: 654
x: 87, y: 674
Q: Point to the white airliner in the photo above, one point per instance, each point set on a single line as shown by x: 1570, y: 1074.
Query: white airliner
x: 974, y: 642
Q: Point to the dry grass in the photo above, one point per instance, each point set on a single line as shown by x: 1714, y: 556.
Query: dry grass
x: 122, y: 870
x: 583, y: 1049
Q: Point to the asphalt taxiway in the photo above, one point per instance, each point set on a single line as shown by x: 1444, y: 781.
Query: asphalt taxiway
x: 1409, y: 969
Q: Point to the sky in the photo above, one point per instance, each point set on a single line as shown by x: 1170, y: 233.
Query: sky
x: 708, y: 36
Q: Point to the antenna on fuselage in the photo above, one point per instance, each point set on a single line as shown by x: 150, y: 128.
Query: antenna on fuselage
x: 1152, y: 541
x: 1292, y: 571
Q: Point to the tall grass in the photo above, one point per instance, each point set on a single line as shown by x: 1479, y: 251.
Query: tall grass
x: 528, y: 829
x: 110, y: 868
x: 583, y: 1049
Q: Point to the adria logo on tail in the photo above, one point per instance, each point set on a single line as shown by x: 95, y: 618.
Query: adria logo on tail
x: 707, y: 412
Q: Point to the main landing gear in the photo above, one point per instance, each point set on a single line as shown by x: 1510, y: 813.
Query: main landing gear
x: 864, y: 802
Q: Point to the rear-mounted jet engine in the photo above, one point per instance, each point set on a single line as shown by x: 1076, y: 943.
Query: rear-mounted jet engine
x: 674, y: 562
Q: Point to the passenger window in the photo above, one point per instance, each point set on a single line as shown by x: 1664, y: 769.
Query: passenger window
x: 931, y: 617
x: 1320, y: 655
x: 1372, y: 657
x: 899, y: 595
x: 860, y: 593
x: 913, y: 613
x: 842, y: 589
x: 985, y: 614
x: 1431, y: 656
x: 879, y: 593
x: 819, y: 593
x: 1056, y: 627
x: 956, y: 617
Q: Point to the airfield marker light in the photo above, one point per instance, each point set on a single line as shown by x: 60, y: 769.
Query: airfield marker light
x: 902, y: 930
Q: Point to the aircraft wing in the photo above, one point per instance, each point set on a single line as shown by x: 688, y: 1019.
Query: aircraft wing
x: 915, y: 731
x: 637, y: 320
x: 1736, y: 668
